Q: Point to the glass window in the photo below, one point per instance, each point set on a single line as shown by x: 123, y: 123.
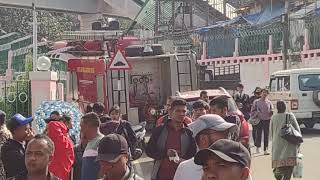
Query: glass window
x: 273, y: 84
x: 283, y: 83
x: 280, y: 83
x: 286, y: 83
x: 309, y: 82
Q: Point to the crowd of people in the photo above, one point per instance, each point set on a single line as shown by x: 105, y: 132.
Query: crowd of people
x: 258, y: 106
x: 104, y: 151
x: 210, y: 144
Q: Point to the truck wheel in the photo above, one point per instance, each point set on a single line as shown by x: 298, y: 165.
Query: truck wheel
x: 309, y: 124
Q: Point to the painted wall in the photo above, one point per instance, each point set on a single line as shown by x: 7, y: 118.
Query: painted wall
x: 254, y: 74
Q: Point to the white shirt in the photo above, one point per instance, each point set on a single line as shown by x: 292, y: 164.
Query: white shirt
x: 189, y: 170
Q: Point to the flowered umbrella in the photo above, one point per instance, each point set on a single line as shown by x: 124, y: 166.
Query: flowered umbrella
x: 46, y: 107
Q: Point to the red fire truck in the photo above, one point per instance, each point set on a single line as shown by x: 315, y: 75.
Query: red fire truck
x: 141, y: 91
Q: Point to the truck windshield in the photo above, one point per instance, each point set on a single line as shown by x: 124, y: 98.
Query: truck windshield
x: 309, y: 82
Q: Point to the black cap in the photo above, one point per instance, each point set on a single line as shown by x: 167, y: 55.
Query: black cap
x: 111, y: 147
x: 227, y: 150
x: 257, y: 90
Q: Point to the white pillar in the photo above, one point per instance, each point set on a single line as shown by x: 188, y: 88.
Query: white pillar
x: 204, y: 50
x: 236, y: 47
x: 306, y: 45
x: 9, y: 71
x: 43, y: 87
x: 60, y: 91
x: 270, y: 50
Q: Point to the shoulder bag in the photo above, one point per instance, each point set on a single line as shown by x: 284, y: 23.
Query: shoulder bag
x: 289, y: 133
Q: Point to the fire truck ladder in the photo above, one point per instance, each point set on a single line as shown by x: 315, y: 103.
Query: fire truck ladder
x: 184, y: 73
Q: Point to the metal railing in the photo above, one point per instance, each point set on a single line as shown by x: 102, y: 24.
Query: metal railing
x: 15, y: 97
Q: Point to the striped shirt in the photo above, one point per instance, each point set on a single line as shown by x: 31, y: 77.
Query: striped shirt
x: 90, y: 168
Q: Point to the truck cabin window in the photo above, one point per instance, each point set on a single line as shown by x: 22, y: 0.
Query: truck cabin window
x: 309, y: 82
x: 273, y: 84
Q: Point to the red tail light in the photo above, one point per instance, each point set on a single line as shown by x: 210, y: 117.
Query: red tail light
x: 294, y: 104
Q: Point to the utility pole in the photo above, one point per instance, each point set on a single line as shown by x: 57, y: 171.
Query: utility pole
x: 191, y: 13
x: 35, y: 38
x: 225, y: 9
x: 173, y: 7
x: 208, y: 14
x: 156, y: 26
x: 285, y: 30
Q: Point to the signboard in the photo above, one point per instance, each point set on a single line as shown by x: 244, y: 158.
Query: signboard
x: 119, y: 62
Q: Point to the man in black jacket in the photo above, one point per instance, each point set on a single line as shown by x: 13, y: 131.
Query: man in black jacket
x: 242, y: 101
x: 13, y: 151
x: 171, y: 143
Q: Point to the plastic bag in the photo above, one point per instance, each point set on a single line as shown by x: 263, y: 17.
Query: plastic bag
x: 298, y: 169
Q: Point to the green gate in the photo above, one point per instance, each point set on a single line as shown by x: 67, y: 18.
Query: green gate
x: 15, y: 97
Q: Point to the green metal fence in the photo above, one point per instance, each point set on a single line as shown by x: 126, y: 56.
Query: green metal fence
x: 15, y: 97
x: 220, y: 43
x: 255, y: 44
x: 313, y: 25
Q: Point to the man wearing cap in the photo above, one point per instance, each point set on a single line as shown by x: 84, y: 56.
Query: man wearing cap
x: 224, y: 160
x: 199, y: 108
x: 13, y: 151
x: 256, y: 95
x: 206, y: 130
x: 113, y: 158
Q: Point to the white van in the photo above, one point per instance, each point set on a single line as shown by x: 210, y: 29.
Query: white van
x: 300, y: 89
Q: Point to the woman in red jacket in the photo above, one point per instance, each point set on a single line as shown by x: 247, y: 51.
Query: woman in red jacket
x: 63, y: 157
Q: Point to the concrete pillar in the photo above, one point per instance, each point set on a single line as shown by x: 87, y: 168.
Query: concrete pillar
x: 43, y: 87
x: 236, y: 47
x: 9, y: 71
x: 60, y: 91
x: 204, y: 50
x: 270, y: 49
x: 306, y: 45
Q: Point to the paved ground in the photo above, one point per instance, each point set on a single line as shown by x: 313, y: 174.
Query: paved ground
x: 261, y: 165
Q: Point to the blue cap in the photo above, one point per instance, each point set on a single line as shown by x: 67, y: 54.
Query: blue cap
x: 21, y: 120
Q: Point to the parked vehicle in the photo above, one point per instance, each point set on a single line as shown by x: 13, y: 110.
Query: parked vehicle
x: 140, y: 131
x: 300, y: 89
x: 192, y: 96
